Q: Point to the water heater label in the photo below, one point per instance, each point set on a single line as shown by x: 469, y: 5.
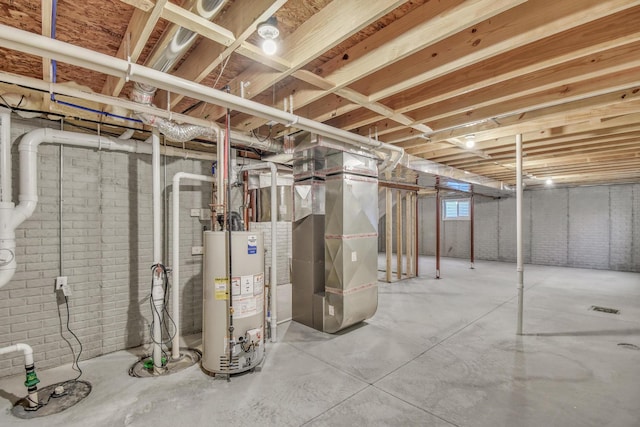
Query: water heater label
x: 220, y: 284
x: 235, y: 286
x: 258, y: 284
x: 252, y: 244
x: 246, y: 285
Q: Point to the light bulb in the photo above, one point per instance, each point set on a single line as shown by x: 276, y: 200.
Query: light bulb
x: 549, y: 181
x: 471, y: 141
x: 269, y: 46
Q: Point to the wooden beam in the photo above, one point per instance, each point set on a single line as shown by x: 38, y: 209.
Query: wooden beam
x: 138, y: 31
x: 208, y: 55
x: 534, y: 20
x: 197, y: 24
x: 331, y: 25
x: 144, y: 5
x: 408, y: 35
x: 603, y: 106
x: 582, y: 41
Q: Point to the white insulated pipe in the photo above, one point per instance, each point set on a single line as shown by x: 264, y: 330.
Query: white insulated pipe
x: 175, y: 257
x: 519, y: 256
x: 157, y: 291
x: 34, y: 44
x: 28, y: 364
x: 5, y: 157
x: 11, y: 217
x: 7, y: 231
x: 274, y: 228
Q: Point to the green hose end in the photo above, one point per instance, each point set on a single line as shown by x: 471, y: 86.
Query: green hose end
x: 148, y: 364
x: 32, y: 379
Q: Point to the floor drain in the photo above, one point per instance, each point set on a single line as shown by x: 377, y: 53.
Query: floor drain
x: 629, y: 346
x: 605, y: 309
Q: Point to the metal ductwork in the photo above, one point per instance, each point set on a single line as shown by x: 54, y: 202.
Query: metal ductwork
x: 174, y: 44
x: 335, y: 231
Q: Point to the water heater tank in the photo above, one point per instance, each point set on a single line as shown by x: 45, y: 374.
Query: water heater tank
x: 247, y: 294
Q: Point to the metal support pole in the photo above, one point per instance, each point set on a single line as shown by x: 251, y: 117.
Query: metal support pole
x: 520, y: 267
x: 388, y: 236
x: 408, y: 234
x: 471, y: 218
x: 415, y: 227
x: 399, y: 234
x: 438, y: 233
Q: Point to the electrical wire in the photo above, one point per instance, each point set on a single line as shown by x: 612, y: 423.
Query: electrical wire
x: 165, y: 311
x: 77, y: 366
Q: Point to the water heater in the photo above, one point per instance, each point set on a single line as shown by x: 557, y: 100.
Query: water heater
x: 247, y: 293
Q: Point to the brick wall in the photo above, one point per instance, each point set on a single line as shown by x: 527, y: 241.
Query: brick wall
x: 106, y: 252
x: 592, y: 227
x: 283, y: 246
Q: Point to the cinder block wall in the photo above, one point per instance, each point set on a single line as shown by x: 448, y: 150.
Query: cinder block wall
x: 106, y: 252
x: 592, y: 227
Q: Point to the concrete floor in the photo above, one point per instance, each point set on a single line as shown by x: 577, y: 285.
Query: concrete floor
x: 438, y: 352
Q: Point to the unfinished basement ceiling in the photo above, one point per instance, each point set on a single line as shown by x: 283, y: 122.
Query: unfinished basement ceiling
x: 425, y: 75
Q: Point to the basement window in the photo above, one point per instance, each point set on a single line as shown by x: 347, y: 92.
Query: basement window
x: 456, y: 209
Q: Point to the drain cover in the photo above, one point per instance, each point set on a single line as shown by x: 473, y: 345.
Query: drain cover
x: 605, y: 309
x: 629, y: 346
x: 74, y: 392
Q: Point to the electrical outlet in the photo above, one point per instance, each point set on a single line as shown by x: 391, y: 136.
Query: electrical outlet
x: 61, y: 282
x: 62, y: 285
x: 195, y: 213
x: 196, y: 250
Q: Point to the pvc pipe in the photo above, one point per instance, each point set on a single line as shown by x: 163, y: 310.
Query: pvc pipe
x: 175, y: 257
x: 5, y: 157
x: 11, y: 217
x: 24, y: 348
x: 157, y: 292
x: 34, y: 44
x: 520, y: 266
x: 32, y: 389
x: 274, y: 229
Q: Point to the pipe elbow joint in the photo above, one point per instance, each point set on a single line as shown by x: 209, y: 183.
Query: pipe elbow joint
x: 31, y: 140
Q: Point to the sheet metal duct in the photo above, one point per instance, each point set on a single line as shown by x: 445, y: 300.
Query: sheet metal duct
x: 334, y: 236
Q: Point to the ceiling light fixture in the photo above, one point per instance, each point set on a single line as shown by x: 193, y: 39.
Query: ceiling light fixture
x: 471, y: 140
x: 268, y: 30
x: 549, y: 182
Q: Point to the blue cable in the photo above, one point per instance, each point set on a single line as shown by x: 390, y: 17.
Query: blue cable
x: 54, y: 72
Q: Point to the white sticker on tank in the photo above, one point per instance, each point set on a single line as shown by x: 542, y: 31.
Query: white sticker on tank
x: 258, y: 283
x: 245, y: 307
x: 252, y: 244
x: 354, y: 256
x: 331, y: 310
x: 235, y: 286
x: 246, y: 285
